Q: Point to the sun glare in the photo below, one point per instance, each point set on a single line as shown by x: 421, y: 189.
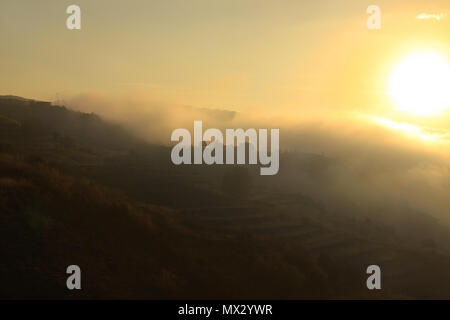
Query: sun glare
x: 409, y: 129
x: 420, y: 84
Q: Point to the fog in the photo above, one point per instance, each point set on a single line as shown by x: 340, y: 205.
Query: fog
x: 374, y: 168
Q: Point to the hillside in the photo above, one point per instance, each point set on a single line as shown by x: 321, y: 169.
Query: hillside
x: 77, y: 190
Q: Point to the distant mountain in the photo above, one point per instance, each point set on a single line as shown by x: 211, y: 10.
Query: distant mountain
x: 10, y: 97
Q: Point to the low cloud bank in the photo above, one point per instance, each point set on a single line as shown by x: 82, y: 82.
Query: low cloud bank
x: 374, y: 165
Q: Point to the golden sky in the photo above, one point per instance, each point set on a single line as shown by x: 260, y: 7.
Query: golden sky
x: 311, y: 68
x: 288, y: 55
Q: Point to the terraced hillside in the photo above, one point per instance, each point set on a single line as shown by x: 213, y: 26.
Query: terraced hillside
x: 74, y: 188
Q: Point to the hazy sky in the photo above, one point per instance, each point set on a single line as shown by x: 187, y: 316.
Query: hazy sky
x: 310, y: 68
x: 208, y: 53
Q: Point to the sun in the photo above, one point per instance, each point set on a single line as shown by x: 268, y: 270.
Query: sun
x: 420, y: 84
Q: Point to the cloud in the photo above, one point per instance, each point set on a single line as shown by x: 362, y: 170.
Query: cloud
x: 432, y: 16
x: 366, y: 162
x: 146, y: 117
x: 420, y: 132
